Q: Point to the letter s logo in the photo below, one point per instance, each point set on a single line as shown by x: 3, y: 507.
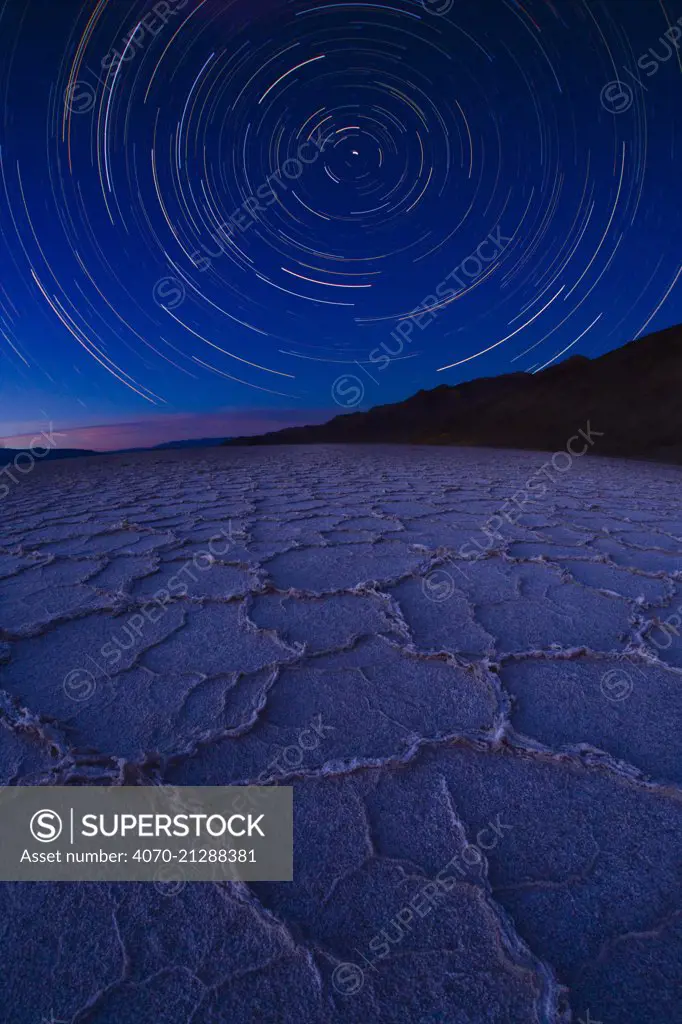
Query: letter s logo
x: 46, y: 826
x: 348, y: 391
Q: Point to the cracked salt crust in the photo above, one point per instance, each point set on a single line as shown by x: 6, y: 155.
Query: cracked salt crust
x: 437, y: 715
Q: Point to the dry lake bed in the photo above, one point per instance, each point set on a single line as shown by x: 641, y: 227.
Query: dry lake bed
x: 474, y: 685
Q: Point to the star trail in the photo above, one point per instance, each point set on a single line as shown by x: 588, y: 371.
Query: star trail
x: 238, y: 207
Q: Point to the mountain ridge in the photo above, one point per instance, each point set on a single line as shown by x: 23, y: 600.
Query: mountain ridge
x: 631, y: 395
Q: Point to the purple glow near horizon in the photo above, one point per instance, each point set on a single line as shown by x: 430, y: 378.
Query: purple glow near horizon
x: 162, y: 429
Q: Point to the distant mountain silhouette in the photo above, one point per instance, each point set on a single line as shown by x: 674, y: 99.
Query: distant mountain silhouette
x: 633, y: 396
x: 204, y: 442
x: 8, y: 455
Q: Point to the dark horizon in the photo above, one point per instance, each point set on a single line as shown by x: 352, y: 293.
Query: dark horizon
x: 259, y: 422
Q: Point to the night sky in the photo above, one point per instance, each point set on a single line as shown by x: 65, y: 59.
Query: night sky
x: 218, y: 218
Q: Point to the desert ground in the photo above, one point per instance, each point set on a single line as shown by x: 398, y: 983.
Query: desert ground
x: 474, y: 686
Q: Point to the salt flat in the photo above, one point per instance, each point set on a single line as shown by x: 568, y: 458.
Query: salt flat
x: 500, y: 710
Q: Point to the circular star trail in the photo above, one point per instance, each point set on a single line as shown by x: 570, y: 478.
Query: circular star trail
x: 211, y: 204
